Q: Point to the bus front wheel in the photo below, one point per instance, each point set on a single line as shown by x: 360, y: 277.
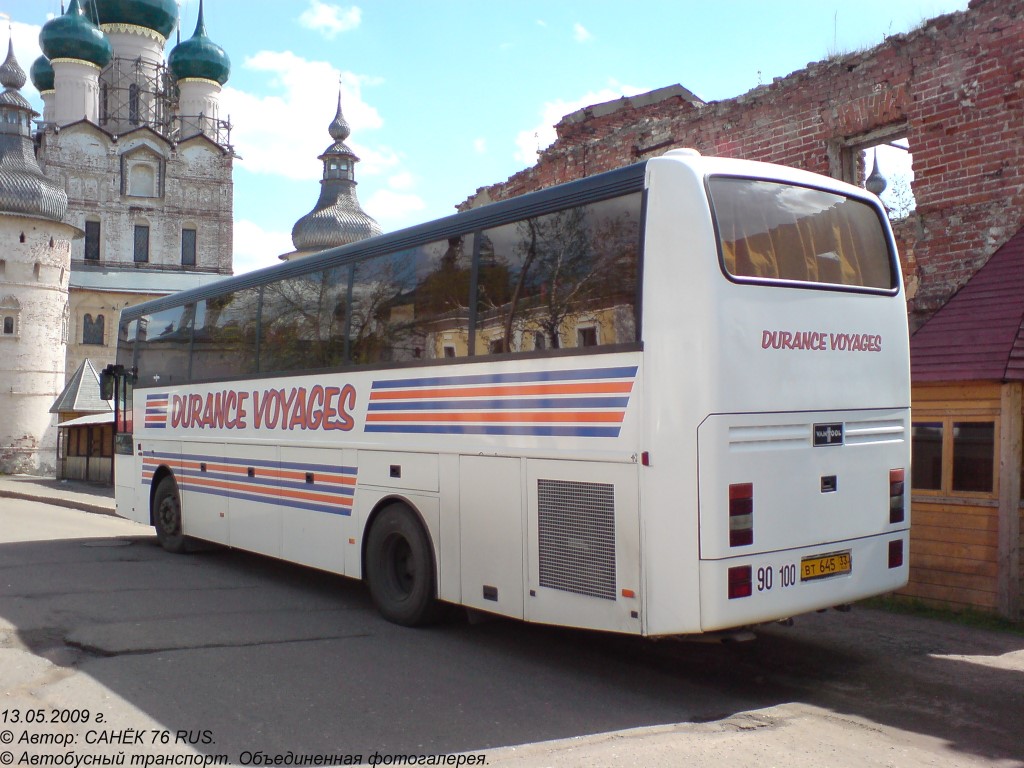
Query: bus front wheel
x: 167, y: 516
x: 400, y: 568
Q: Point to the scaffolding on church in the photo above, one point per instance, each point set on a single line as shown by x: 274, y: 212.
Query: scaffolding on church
x: 137, y: 92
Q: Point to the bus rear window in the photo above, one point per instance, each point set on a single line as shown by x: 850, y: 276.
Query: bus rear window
x: 769, y: 231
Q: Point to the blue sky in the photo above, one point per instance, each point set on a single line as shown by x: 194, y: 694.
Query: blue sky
x: 445, y: 96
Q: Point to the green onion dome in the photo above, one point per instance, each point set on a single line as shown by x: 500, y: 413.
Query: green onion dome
x: 73, y: 36
x: 41, y: 73
x: 161, y: 16
x: 200, y: 57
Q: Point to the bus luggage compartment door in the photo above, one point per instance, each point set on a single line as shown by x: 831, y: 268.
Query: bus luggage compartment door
x: 776, y: 481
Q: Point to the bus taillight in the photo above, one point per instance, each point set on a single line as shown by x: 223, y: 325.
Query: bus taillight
x: 896, y: 553
x: 741, y: 514
x: 741, y: 582
x: 896, y: 495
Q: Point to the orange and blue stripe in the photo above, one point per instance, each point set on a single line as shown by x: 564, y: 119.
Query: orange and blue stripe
x: 156, y: 410
x: 565, y: 403
x: 315, y: 487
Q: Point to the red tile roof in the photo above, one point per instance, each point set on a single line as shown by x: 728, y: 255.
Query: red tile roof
x: 977, y: 335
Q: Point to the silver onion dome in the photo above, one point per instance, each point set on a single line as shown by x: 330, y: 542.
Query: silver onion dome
x: 337, y: 219
x: 23, y: 187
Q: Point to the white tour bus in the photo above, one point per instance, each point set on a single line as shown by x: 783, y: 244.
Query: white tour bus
x: 671, y: 398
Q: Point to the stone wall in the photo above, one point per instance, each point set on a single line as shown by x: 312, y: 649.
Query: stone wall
x: 35, y: 263
x: 140, y: 178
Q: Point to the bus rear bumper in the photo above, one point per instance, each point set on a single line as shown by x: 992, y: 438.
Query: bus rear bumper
x: 745, y: 590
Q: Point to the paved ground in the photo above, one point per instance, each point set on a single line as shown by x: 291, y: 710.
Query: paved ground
x: 263, y: 655
x: 71, y: 494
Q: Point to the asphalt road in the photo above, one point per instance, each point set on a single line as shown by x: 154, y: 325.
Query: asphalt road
x: 224, y: 653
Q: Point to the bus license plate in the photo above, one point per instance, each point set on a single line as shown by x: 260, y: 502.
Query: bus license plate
x: 824, y: 566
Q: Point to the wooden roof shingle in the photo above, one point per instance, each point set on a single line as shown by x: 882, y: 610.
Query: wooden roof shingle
x: 977, y: 334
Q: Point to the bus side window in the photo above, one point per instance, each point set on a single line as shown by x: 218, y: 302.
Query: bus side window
x: 163, y: 344
x: 303, y: 321
x: 225, y: 336
x: 410, y: 305
x: 565, y: 279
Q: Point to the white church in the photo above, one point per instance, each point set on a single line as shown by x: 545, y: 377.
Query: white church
x: 121, y: 191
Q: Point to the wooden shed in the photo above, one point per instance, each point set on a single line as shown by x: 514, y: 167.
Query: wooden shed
x: 85, y: 449
x: 85, y: 442
x: 967, y: 369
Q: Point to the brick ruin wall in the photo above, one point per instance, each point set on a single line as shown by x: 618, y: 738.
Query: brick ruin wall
x: 954, y: 88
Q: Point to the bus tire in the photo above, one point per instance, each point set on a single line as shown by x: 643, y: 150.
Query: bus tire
x: 400, y: 568
x: 167, y: 516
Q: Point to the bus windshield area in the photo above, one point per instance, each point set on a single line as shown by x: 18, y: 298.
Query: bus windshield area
x: 769, y: 231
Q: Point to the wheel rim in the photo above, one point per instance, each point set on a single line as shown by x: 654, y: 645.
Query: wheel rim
x: 167, y: 516
x: 401, y: 567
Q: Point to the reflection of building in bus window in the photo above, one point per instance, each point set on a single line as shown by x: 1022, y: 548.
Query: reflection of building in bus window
x: 586, y: 337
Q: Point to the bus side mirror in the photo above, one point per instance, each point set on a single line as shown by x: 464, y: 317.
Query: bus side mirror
x: 106, y: 385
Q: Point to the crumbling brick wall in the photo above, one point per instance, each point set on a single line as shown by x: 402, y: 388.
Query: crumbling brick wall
x: 954, y: 87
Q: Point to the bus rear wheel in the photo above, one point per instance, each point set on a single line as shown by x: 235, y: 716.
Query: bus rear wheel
x: 167, y: 516
x: 400, y: 568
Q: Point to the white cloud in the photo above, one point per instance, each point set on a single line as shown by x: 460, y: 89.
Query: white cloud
x: 283, y: 131
x: 255, y: 247
x: 26, y: 50
x: 26, y: 42
x: 533, y: 140
x: 394, y: 210
x: 480, y: 146
x: 402, y: 181
x: 329, y: 19
x: 581, y: 34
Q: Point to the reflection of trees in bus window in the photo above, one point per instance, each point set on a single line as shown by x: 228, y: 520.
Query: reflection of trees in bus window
x: 379, y: 323
x: 225, y: 335
x: 412, y: 304
x: 441, y: 298
x: 571, y: 270
x: 303, y: 321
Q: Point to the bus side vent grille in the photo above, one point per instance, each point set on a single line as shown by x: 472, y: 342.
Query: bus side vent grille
x: 577, y: 537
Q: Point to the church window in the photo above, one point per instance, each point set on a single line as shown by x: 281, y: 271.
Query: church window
x: 92, y: 330
x: 92, y: 241
x: 188, y: 247
x: 142, y: 180
x: 141, y: 243
x: 10, y: 309
x: 142, y: 173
